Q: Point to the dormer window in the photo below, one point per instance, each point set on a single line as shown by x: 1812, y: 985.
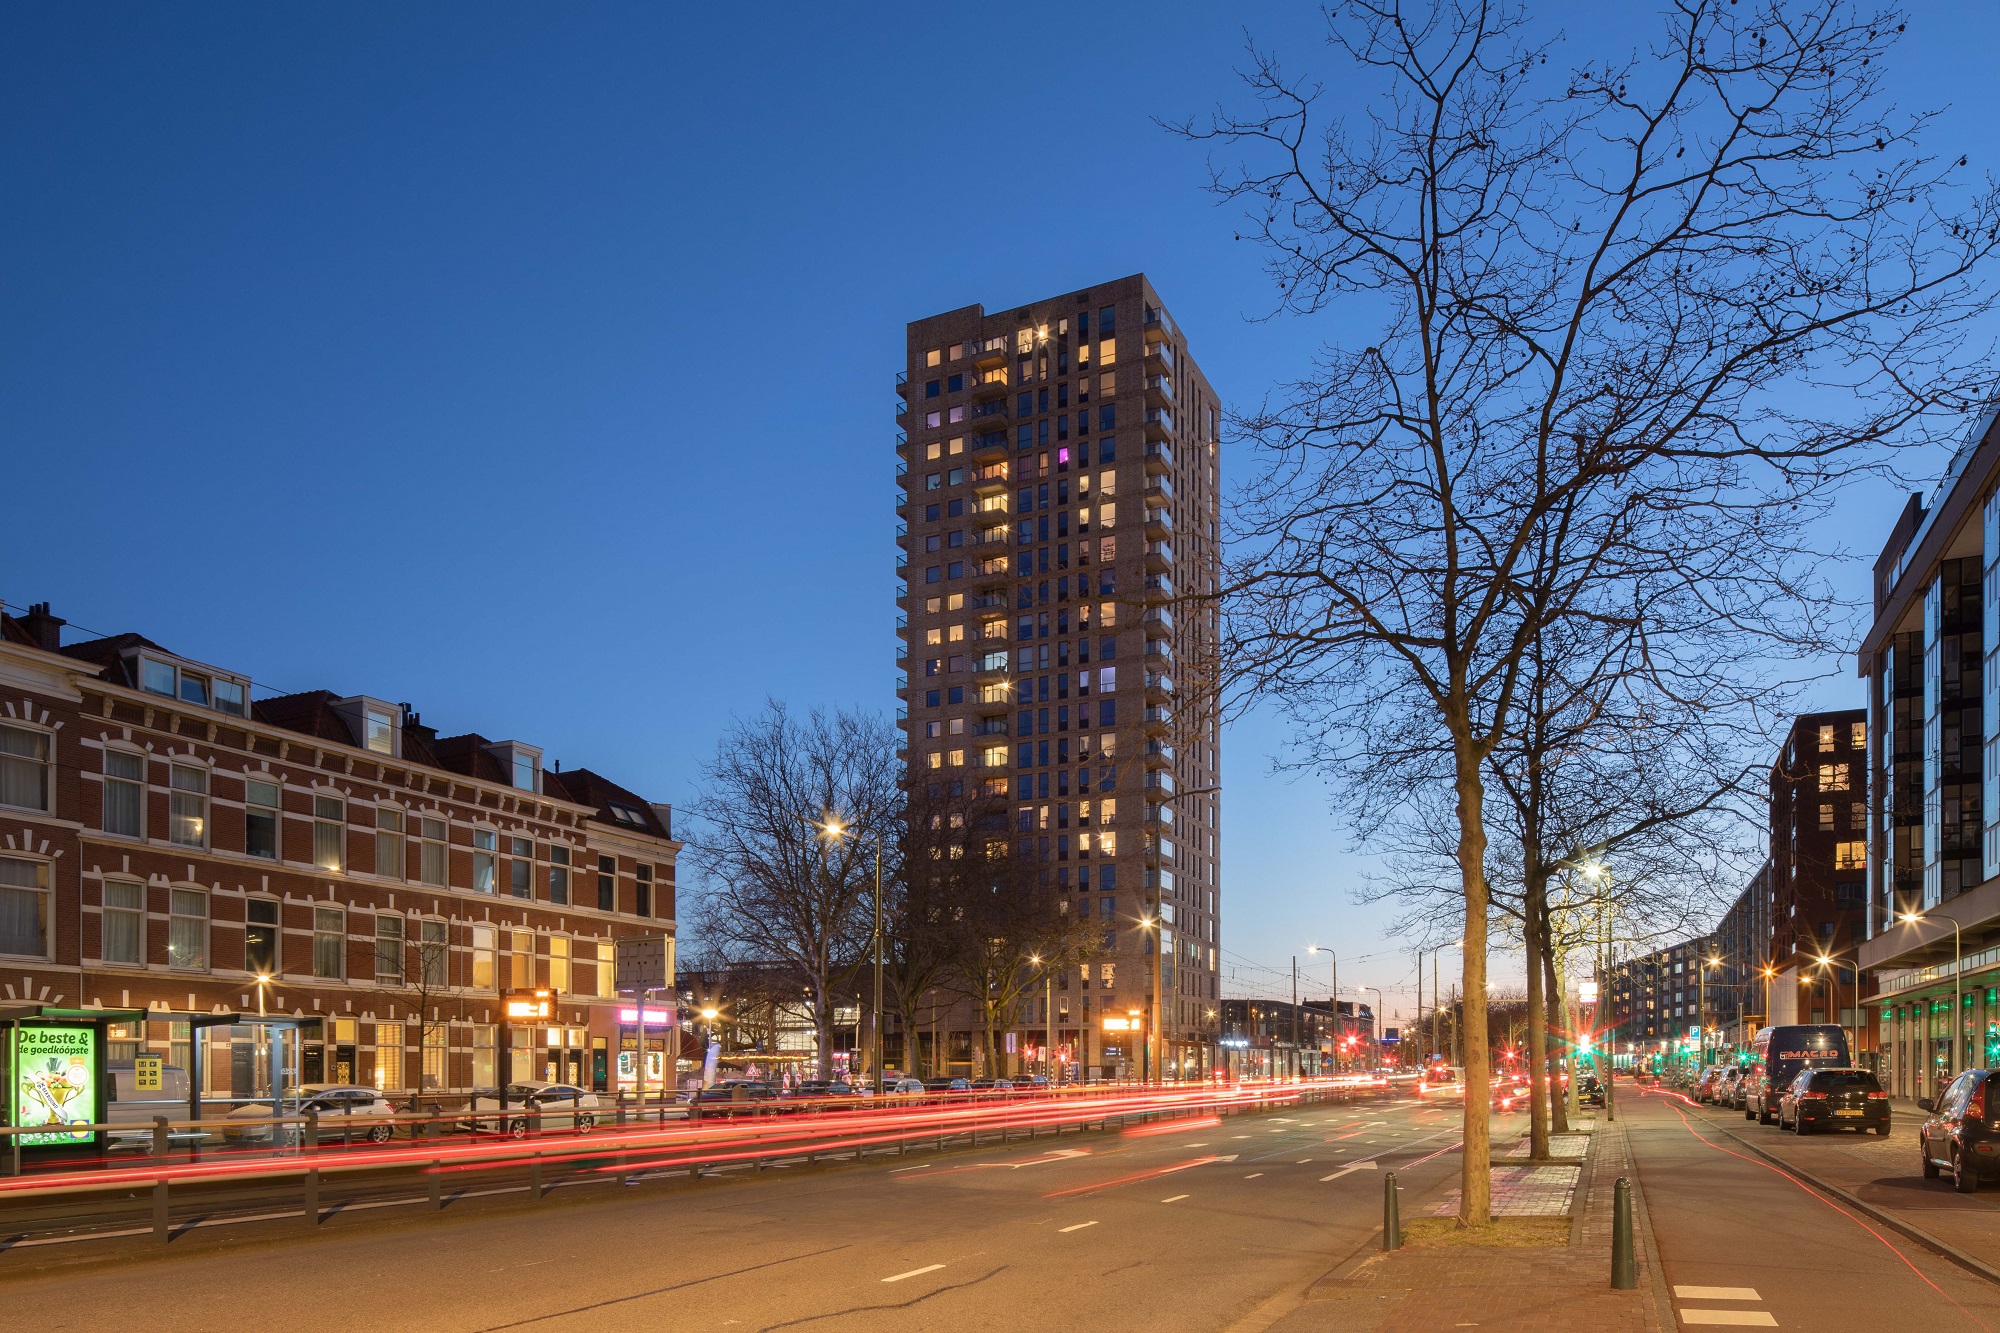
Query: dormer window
x: 377, y: 726
x: 380, y: 730
x: 628, y: 814
x: 206, y: 689
x: 524, y: 771
x: 521, y: 762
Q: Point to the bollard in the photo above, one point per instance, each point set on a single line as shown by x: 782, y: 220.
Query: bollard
x: 312, y: 1175
x: 1392, y: 1218
x: 161, y: 1231
x: 1624, y: 1268
x: 437, y: 1163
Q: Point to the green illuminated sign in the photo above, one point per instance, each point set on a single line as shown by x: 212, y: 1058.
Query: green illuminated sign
x: 55, y: 1082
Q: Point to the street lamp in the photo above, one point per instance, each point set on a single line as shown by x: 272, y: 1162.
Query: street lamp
x: 1701, y: 1009
x: 1335, y: 959
x: 835, y: 830
x: 1048, y: 1015
x: 1375, y: 1022
x: 1957, y: 983
x: 1148, y: 1063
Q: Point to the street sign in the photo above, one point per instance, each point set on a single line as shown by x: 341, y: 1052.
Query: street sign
x: 642, y: 963
x: 148, y: 1073
x: 530, y: 1008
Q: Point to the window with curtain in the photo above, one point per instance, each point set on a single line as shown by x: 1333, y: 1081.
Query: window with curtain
x: 559, y: 964
x: 24, y: 768
x: 483, y: 945
x: 389, y: 843
x: 187, y: 807
x: 262, y: 804
x: 124, y: 793
x: 607, y: 965
x: 24, y: 907
x: 329, y: 943
x: 187, y: 930
x: 559, y: 874
x: 521, y: 969
x: 329, y: 832
x: 435, y: 1052
x: 434, y: 855
x: 389, y: 948
x: 124, y: 921
x: 388, y: 1056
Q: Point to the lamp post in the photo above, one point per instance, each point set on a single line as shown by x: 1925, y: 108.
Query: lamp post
x: 1335, y: 960
x: 1701, y: 1010
x: 1957, y: 983
x: 1148, y: 1061
x: 835, y: 830
x: 1048, y: 1015
x: 1375, y: 1022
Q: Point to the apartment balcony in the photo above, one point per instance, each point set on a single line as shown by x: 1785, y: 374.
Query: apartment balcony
x: 1159, y: 525
x: 991, y: 727
x: 903, y: 535
x: 992, y: 509
x: 1159, y: 653
x: 985, y: 416
x: 903, y: 599
x: 1159, y: 359
x: 1159, y: 423
x: 1159, y: 689
x: 1158, y: 620
x: 1157, y: 720
x: 1159, y: 458
x: 994, y: 604
x: 1157, y: 324
x: 990, y: 384
x: 1159, y: 586
x: 902, y: 412
x: 902, y: 685
x: 989, y: 447
x: 1159, y: 391
x: 1159, y: 780
x: 903, y: 383
x: 991, y: 575
x: 1159, y: 492
x: 992, y: 539
x: 1159, y: 557
x: 994, y: 701
x: 991, y: 666
x: 988, y: 354
x: 1159, y: 752
x: 992, y: 479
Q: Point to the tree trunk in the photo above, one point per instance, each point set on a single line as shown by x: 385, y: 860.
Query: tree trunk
x: 1476, y: 1193
x: 1552, y: 983
x: 1538, y: 1036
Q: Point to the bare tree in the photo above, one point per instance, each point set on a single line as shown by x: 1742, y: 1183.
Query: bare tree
x: 775, y: 887
x: 1655, y: 307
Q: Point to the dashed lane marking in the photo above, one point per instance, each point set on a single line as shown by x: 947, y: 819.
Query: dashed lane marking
x: 1716, y: 1294
x: 1253, y: 1175
x: 1741, y: 1318
x: 914, y: 1272
x: 1078, y: 1227
x: 1176, y: 1199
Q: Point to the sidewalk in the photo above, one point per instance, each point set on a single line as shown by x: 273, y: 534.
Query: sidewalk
x: 1526, y: 1288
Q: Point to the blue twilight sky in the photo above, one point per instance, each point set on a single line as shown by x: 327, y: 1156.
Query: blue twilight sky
x: 534, y: 363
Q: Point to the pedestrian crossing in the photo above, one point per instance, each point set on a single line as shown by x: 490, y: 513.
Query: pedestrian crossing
x: 1732, y: 1316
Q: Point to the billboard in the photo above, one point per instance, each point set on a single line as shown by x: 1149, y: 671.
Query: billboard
x: 56, y: 1082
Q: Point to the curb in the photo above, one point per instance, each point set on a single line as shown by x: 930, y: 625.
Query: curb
x: 1886, y: 1218
x: 1642, y: 1224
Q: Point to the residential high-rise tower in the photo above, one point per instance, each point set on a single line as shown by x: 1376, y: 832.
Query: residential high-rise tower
x: 1058, y: 484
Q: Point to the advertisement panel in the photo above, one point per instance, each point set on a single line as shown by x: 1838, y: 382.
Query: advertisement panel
x: 55, y: 1082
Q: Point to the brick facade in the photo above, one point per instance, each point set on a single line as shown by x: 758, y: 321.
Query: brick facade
x: 132, y: 820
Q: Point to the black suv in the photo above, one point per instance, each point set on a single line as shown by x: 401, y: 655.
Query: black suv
x: 1834, y: 1099
x: 1957, y: 1136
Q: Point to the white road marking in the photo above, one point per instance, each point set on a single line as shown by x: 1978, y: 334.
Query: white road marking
x: 1716, y: 1294
x: 918, y: 1167
x: 1176, y: 1199
x: 1348, y: 1170
x: 1078, y: 1227
x: 1194, y: 1145
x: 914, y: 1272
x: 1253, y: 1175
x: 1304, y: 1160
x: 1241, y: 1136
x: 1744, y: 1318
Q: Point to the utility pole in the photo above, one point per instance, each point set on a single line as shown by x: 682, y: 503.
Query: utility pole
x: 1298, y: 1060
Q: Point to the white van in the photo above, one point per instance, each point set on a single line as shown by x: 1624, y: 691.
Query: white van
x: 126, y: 1105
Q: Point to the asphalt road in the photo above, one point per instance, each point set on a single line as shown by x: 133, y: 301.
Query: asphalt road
x: 1742, y: 1244
x: 1188, y: 1229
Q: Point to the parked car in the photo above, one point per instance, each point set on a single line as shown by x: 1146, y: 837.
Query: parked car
x: 902, y: 1087
x: 346, y: 1111
x: 1589, y: 1092
x: 1031, y: 1083
x: 558, y: 1106
x: 719, y: 1098
x: 1956, y: 1135
x: 1729, y: 1088
x: 948, y: 1085
x: 1777, y: 1054
x: 1834, y: 1099
x: 1704, y: 1086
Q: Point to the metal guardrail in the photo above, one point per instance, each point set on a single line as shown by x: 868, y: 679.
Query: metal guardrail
x: 657, y: 1137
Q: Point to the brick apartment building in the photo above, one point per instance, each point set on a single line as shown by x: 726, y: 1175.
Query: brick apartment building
x: 1058, y: 480
x: 1818, y: 878
x: 170, y: 844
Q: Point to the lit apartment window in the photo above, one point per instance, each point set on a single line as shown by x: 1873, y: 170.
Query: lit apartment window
x: 1826, y: 818
x: 187, y: 806
x: 559, y: 964
x: 435, y: 856
x: 483, y: 842
x: 187, y: 930
x: 260, y: 937
x: 1826, y: 738
x: 262, y: 817
x: 329, y: 832
x: 24, y: 908
x: 1859, y: 740
x: 521, y: 960
x: 124, y: 923
x: 521, y: 869
x: 558, y: 874
x: 378, y: 731
x: 1833, y: 777
x: 1850, y: 856
x: 125, y: 793
x: 389, y: 948
x: 607, y: 964
x: 329, y: 943
x: 24, y: 768
x: 389, y: 859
